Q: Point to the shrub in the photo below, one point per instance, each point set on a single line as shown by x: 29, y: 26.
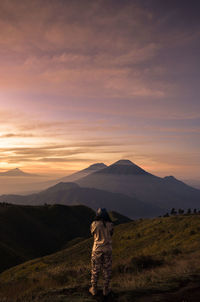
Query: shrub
x: 140, y: 263
x: 145, y: 262
x: 176, y: 251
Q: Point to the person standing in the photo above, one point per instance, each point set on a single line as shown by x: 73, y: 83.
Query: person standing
x: 101, y: 258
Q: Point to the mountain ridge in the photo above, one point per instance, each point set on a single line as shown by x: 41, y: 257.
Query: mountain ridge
x: 127, y: 178
x: 125, y: 167
x: 73, y: 194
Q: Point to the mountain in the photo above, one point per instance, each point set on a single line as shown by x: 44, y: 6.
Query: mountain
x: 16, y: 172
x: 118, y: 218
x: 152, y: 260
x: 73, y: 194
x: 28, y: 185
x: 75, y: 176
x: 192, y: 182
x: 127, y: 178
x: 123, y: 167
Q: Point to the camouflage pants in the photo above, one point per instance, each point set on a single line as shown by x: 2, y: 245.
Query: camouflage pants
x: 101, y: 260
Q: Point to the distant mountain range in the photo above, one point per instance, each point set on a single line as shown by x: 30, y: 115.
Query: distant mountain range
x: 73, y: 194
x: 127, y: 178
x: 122, y: 186
x: 16, y: 172
x: 85, y: 172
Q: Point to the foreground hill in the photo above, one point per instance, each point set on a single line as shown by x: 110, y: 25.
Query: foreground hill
x: 71, y: 194
x: 27, y: 232
x: 127, y: 178
x: 150, y: 257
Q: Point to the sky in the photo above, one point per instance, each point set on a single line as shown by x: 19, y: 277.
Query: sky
x: 97, y: 81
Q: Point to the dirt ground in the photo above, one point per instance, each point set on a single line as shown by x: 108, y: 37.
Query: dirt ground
x: 187, y: 293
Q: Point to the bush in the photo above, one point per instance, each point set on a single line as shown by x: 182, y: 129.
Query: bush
x: 176, y: 251
x: 145, y: 262
x: 140, y: 263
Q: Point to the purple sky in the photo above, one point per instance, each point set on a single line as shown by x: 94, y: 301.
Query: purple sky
x: 97, y: 81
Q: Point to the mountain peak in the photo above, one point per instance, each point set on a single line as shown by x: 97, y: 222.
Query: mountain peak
x: 126, y: 162
x: 170, y: 177
x: 16, y: 172
x: 124, y: 167
x: 96, y: 166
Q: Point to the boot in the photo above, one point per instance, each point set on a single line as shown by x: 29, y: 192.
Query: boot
x: 106, y: 291
x: 93, y: 290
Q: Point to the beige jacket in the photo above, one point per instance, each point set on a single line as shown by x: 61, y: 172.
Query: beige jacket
x: 102, y: 236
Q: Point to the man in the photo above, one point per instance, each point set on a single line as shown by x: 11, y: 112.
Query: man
x: 102, y: 231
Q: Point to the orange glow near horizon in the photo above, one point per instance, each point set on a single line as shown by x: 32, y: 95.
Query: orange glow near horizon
x: 98, y: 81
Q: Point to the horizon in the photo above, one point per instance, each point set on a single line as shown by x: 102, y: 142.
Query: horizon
x: 99, y: 81
x: 191, y: 181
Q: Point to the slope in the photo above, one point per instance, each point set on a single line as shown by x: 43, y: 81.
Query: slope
x: 27, y: 232
x: 77, y: 175
x: 154, y: 255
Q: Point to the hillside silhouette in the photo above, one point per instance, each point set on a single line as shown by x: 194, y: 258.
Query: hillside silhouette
x: 27, y: 232
x: 73, y: 194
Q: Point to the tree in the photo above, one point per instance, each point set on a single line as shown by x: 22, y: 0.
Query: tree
x: 180, y: 211
x: 173, y: 211
x: 166, y: 215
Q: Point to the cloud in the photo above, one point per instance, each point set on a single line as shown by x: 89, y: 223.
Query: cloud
x: 65, y: 50
x: 78, y: 151
x: 96, y: 78
x: 8, y: 135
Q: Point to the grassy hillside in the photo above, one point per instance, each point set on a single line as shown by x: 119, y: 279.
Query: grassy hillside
x: 151, y: 255
x: 27, y: 232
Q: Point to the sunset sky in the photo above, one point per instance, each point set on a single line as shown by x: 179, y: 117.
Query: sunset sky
x: 85, y: 81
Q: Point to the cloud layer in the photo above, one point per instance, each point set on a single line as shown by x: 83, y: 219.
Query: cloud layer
x: 99, y: 80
